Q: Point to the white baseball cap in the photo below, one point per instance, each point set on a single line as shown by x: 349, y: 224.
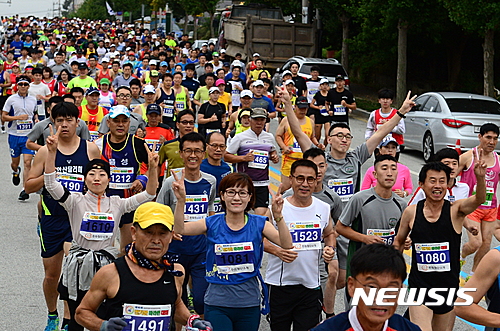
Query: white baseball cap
x: 213, y: 89
x: 323, y: 81
x: 148, y: 89
x: 256, y: 54
x: 288, y: 81
x: 258, y: 82
x: 246, y: 93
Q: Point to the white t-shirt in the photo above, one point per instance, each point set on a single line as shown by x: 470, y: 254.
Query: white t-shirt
x: 39, y: 89
x: 306, y: 225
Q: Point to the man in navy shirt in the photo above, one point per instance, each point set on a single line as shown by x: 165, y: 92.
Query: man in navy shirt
x: 373, y: 266
x: 214, y: 165
x: 16, y: 45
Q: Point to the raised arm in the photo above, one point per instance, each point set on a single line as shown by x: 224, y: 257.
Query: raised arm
x: 304, y: 142
x: 190, y: 228
x: 281, y: 237
x: 385, y: 129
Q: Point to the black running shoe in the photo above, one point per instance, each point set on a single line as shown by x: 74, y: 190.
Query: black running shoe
x: 16, y: 177
x: 23, y: 196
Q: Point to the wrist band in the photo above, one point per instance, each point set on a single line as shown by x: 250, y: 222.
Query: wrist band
x: 143, y: 179
x: 191, y: 320
x: 401, y: 114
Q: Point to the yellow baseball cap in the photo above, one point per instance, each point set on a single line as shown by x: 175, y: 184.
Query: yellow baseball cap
x: 151, y: 213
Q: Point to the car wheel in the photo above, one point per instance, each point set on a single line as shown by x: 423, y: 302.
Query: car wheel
x: 428, y: 147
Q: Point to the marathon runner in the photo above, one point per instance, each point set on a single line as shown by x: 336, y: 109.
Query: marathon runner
x: 19, y: 110
x: 214, y: 164
x: 295, y: 292
x: 436, y: 227
x: 251, y: 151
x: 486, y: 214
x: 234, y: 251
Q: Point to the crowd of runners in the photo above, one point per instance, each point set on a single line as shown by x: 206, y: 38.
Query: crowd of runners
x: 150, y: 162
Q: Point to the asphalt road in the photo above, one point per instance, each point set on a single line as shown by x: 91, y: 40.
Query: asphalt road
x: 21, y: 271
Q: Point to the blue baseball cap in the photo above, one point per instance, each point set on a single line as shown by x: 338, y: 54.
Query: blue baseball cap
x: 163, y: 64
x: 91, y: 90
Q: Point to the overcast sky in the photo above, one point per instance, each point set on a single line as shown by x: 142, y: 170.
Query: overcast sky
x: 39, y: 8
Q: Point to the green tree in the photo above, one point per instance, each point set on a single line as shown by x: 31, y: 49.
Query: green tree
x: 481, y: 17
x: 93, y: 9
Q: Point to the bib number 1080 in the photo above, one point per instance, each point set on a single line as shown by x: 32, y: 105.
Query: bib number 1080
x: 433, y: 257
x: 146, y: 325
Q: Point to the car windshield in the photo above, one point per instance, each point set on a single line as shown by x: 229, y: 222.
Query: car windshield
x: 473, y: 106
x: 325, y: 69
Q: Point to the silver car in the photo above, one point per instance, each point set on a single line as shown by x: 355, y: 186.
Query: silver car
x: 448, y: 119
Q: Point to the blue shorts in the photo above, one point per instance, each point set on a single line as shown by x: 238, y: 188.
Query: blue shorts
x: 17, y: 146
x: 194, y: 267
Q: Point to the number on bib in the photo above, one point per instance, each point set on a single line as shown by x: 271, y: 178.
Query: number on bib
x: 147, y: 318
x: 305, y: 235
x: 122, y: 178
x: 234, y: 258
x: 196, y: 207
x: 260, y: 160
x: 433, y: 257
x: 97, y: 226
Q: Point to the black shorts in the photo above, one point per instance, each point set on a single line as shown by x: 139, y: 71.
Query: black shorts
x: 321, y: 119
x: 294, y: 304
x: 261, y: 197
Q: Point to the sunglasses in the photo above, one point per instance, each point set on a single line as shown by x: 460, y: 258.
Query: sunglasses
x: 23, y: 84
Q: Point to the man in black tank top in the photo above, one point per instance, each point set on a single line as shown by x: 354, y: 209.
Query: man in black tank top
x: 436, y: 226
x: 143, y: 287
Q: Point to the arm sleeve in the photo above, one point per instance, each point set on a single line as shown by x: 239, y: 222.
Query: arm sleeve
x: 131, y: 203
x: 338, y: 208
x: 56, y: 190
x: 370, y: 125
x: 163, y: 196
x: 103, y: 127
x: 400, y: 128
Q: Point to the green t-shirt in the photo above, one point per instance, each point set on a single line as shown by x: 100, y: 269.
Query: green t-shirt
x: 170, y: 152
x: 202, y: 94
x: 83, y: 83
x: 171, y: 43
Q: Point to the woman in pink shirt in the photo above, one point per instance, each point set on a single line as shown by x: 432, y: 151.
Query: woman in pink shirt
x: 403, y: 185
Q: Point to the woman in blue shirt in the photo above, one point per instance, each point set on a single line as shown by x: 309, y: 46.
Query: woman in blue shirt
x: 234, y: 251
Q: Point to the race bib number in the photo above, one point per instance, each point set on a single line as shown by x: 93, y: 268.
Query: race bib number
x: 151, y: 143
x: 24, y: 126
x: 305, y: 235
x: 343, y: 187
x: 296, y: 147
x: 234, y: 258
x: 97, y: 226
x: 387, y: 235
x: 94, y: 135
x: 73, y: 182
x: 180, y: 105
x: 209, y: 131
x: 121, y: 178
x: 490, y: 194
x: 260, y: 159
x: 323, y: 111
x: 196, y: 207
x: 433, y: 257
x: 147, y: 318
x: 339, y: 110
x: 218, y: 206
x: 168, y: 111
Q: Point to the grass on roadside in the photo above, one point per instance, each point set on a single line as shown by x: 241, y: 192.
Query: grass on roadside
x: 366, y: 104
